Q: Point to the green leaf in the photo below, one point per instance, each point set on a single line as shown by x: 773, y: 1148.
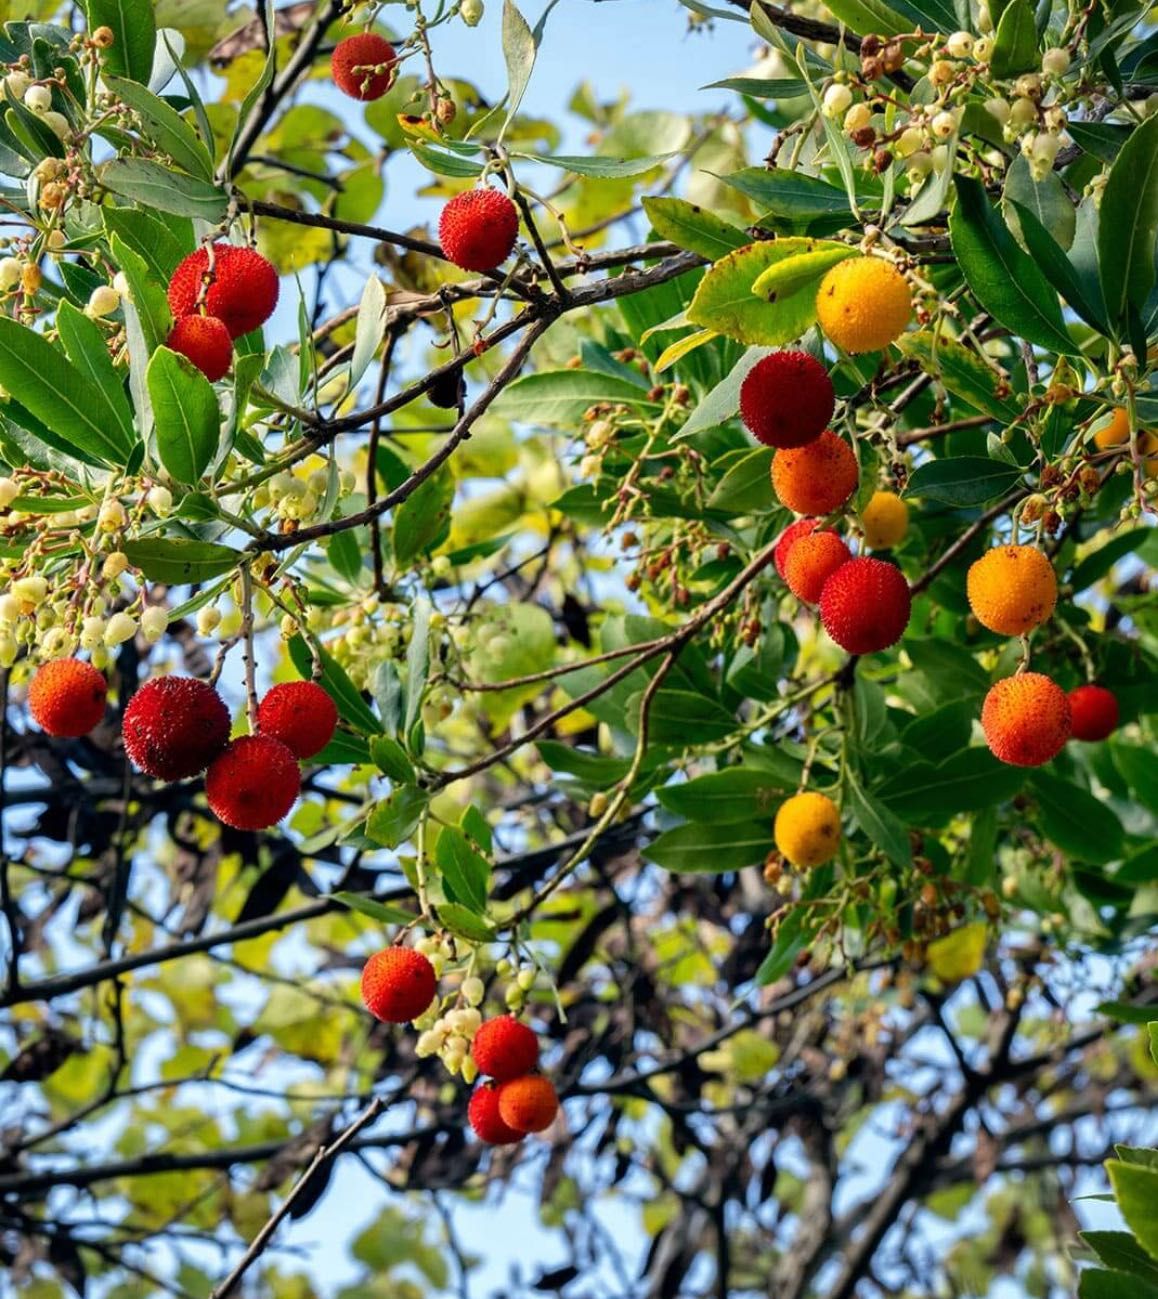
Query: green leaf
x: 803, y: 271
x: 1119, y: 1250
x: 1004, y: 280
x: 681, y: 717
x: 160, y: 241
x: 1076, y: 821
x: 164, y: 127
x: 603, y: 168
x: 61, y: 397
x: 391, y: 759
x: 1128, y: 224
x: 134, y: 31
x: 1015, y: 41
x: 1152, y: 1033
x: 459, y: 920
x: 394, y: 819
x: 185, y: 415
x: 967, y: 782
x: 721, y: 797
x: 369, y: 330
x: 87, y: 349
x: 867, y: 17
x: 417, y: 662
x: 519, y: 52
x: 1096, y: 1284
x: 723, y: 402
x: 383, y: 911
x: 177, y: 561
x: 465, y: 872
x: 792, y: 202
x: 693, y: 227
x: 422, y: 518
x: 962, y: 480
x: 1124, y: 1012
x: 878, y: 823
x: 711, y: 848
x: 724, y: 300
x: 559, y: 398
x: 1099, y: 562
x: 148, y: 300
x: 746, y: 486
x: 1045, y: 198
x: 1058, y: 268
x: 761, y: 87
x: 352, y: 708
x: 1136, y: 1190
x: 962, y: 372
x: 165, y: 189
x: 790, y: 941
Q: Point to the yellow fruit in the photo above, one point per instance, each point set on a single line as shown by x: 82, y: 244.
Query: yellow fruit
x: 958, y: 955
x: 807, y: 829
x: 1012, y: 589
x: 863, y: 304
x: 1117, y: 433
x: 885, y: 520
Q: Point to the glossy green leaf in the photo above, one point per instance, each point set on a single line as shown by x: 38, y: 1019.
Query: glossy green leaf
x: 1076, y: 821
x: 735, y: 794
x: 466, y: 873
x: 711, y: 848
x: 1128, y: 224
x: 165, y: 189
x: 186, y: 417
x: 1015, y: 41
x: 178, y: 561
x: 394, y: 819
x: 879, y: 824
x: 693, y: 227
x: 962, y: 480
x: 134, y: 31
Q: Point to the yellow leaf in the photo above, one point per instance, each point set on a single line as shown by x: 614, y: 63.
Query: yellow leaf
x: 958, y: 955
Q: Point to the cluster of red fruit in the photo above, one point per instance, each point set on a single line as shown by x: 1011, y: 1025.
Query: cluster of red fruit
x: 478, y: 228
x: 218, y: 294
x: 1028, y: 718
x: 786, y: 402
x: 398, y: 985
x: 175, y: 728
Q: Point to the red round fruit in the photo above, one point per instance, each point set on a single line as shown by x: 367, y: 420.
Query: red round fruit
x: 205, y: 341
x: 477, y: 229
x: 528, y: 1104
x: 174, y: 727
x: 240, y: 288
x: 1094, y: 713
x: 398, y: 984
x: 504, y: 1048
x: 66, y: 697
x: 301, y: 715
x: 865, y: 605
x: 788, y: 538
x: 364, y: 66
x: 811, y: 562
x: 1026, y: 719
x: 253, y: 783
x: 787, y: 399
x: 484, y: 1116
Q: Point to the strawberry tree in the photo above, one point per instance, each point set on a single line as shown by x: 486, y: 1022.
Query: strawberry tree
x: 639, y: 684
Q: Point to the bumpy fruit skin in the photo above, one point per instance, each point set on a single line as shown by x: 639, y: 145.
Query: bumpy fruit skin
x: 817, y: 478
x: 477, y: 229
x: 807, y: 829
x: 398, y: 984
x: 1093, y: 713
x: 885, y: 520
x: 1117, y: 432
x: 1012, y: 589
x: 242, y: 292
x: 528, y: 1104
x: 484, y: 1116
x: 253, y: 783
x: 206, y: 342
x: 174, y: 727
x: 811, y: 562
x: 865, y: 605
x: 66, y: 697
x: 504, y: 1048
x: 1026, y: 719
x: 786, y: 399
x: 364, y: 66
x: 863, y: 304
x: 301, y: 715
x: 788, y: 538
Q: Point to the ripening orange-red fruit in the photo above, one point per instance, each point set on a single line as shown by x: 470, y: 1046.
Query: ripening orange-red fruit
x: 788, y: 538
x: 1117, y: 433
x: 1012, y: 589
x: 865, y: 605
x: 807, y: 829
x: 786, y: 399
x: 817, y: 478
x: 398, y: 984
x: 485, y: 1119
x: 1093, y: 713
x: 528, y: 1104
x: 66, y: 697
x: 301, y: 715
x: 253, y: 782
x: 206, y: 342
x: 812, y: 561
x: 1026, y: 719
x: 364, y: 66
x: 240, y: 288
x: 477, y: 229
x: 863, y: 304
x: 174, y: 727
x: 504, y: 1048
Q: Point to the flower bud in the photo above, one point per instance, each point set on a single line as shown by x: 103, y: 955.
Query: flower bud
x: 114, y: 565
x: 998, y: 108
x: 960, y: 45
x: 471, y: 12
x: 112, y: 516
x: 858, y: 117
x: 1055, y: 62
x: 473, y: 990
x: 837, y: 99
x: 92, y: 633
x: 30, y: 590
x: 11, y: 269
x: 9, y: 491
x: 103, y: 301
x: 38, y: 99
x: 160, y: 500
x: 121, y: 627
x: 154, y: 622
